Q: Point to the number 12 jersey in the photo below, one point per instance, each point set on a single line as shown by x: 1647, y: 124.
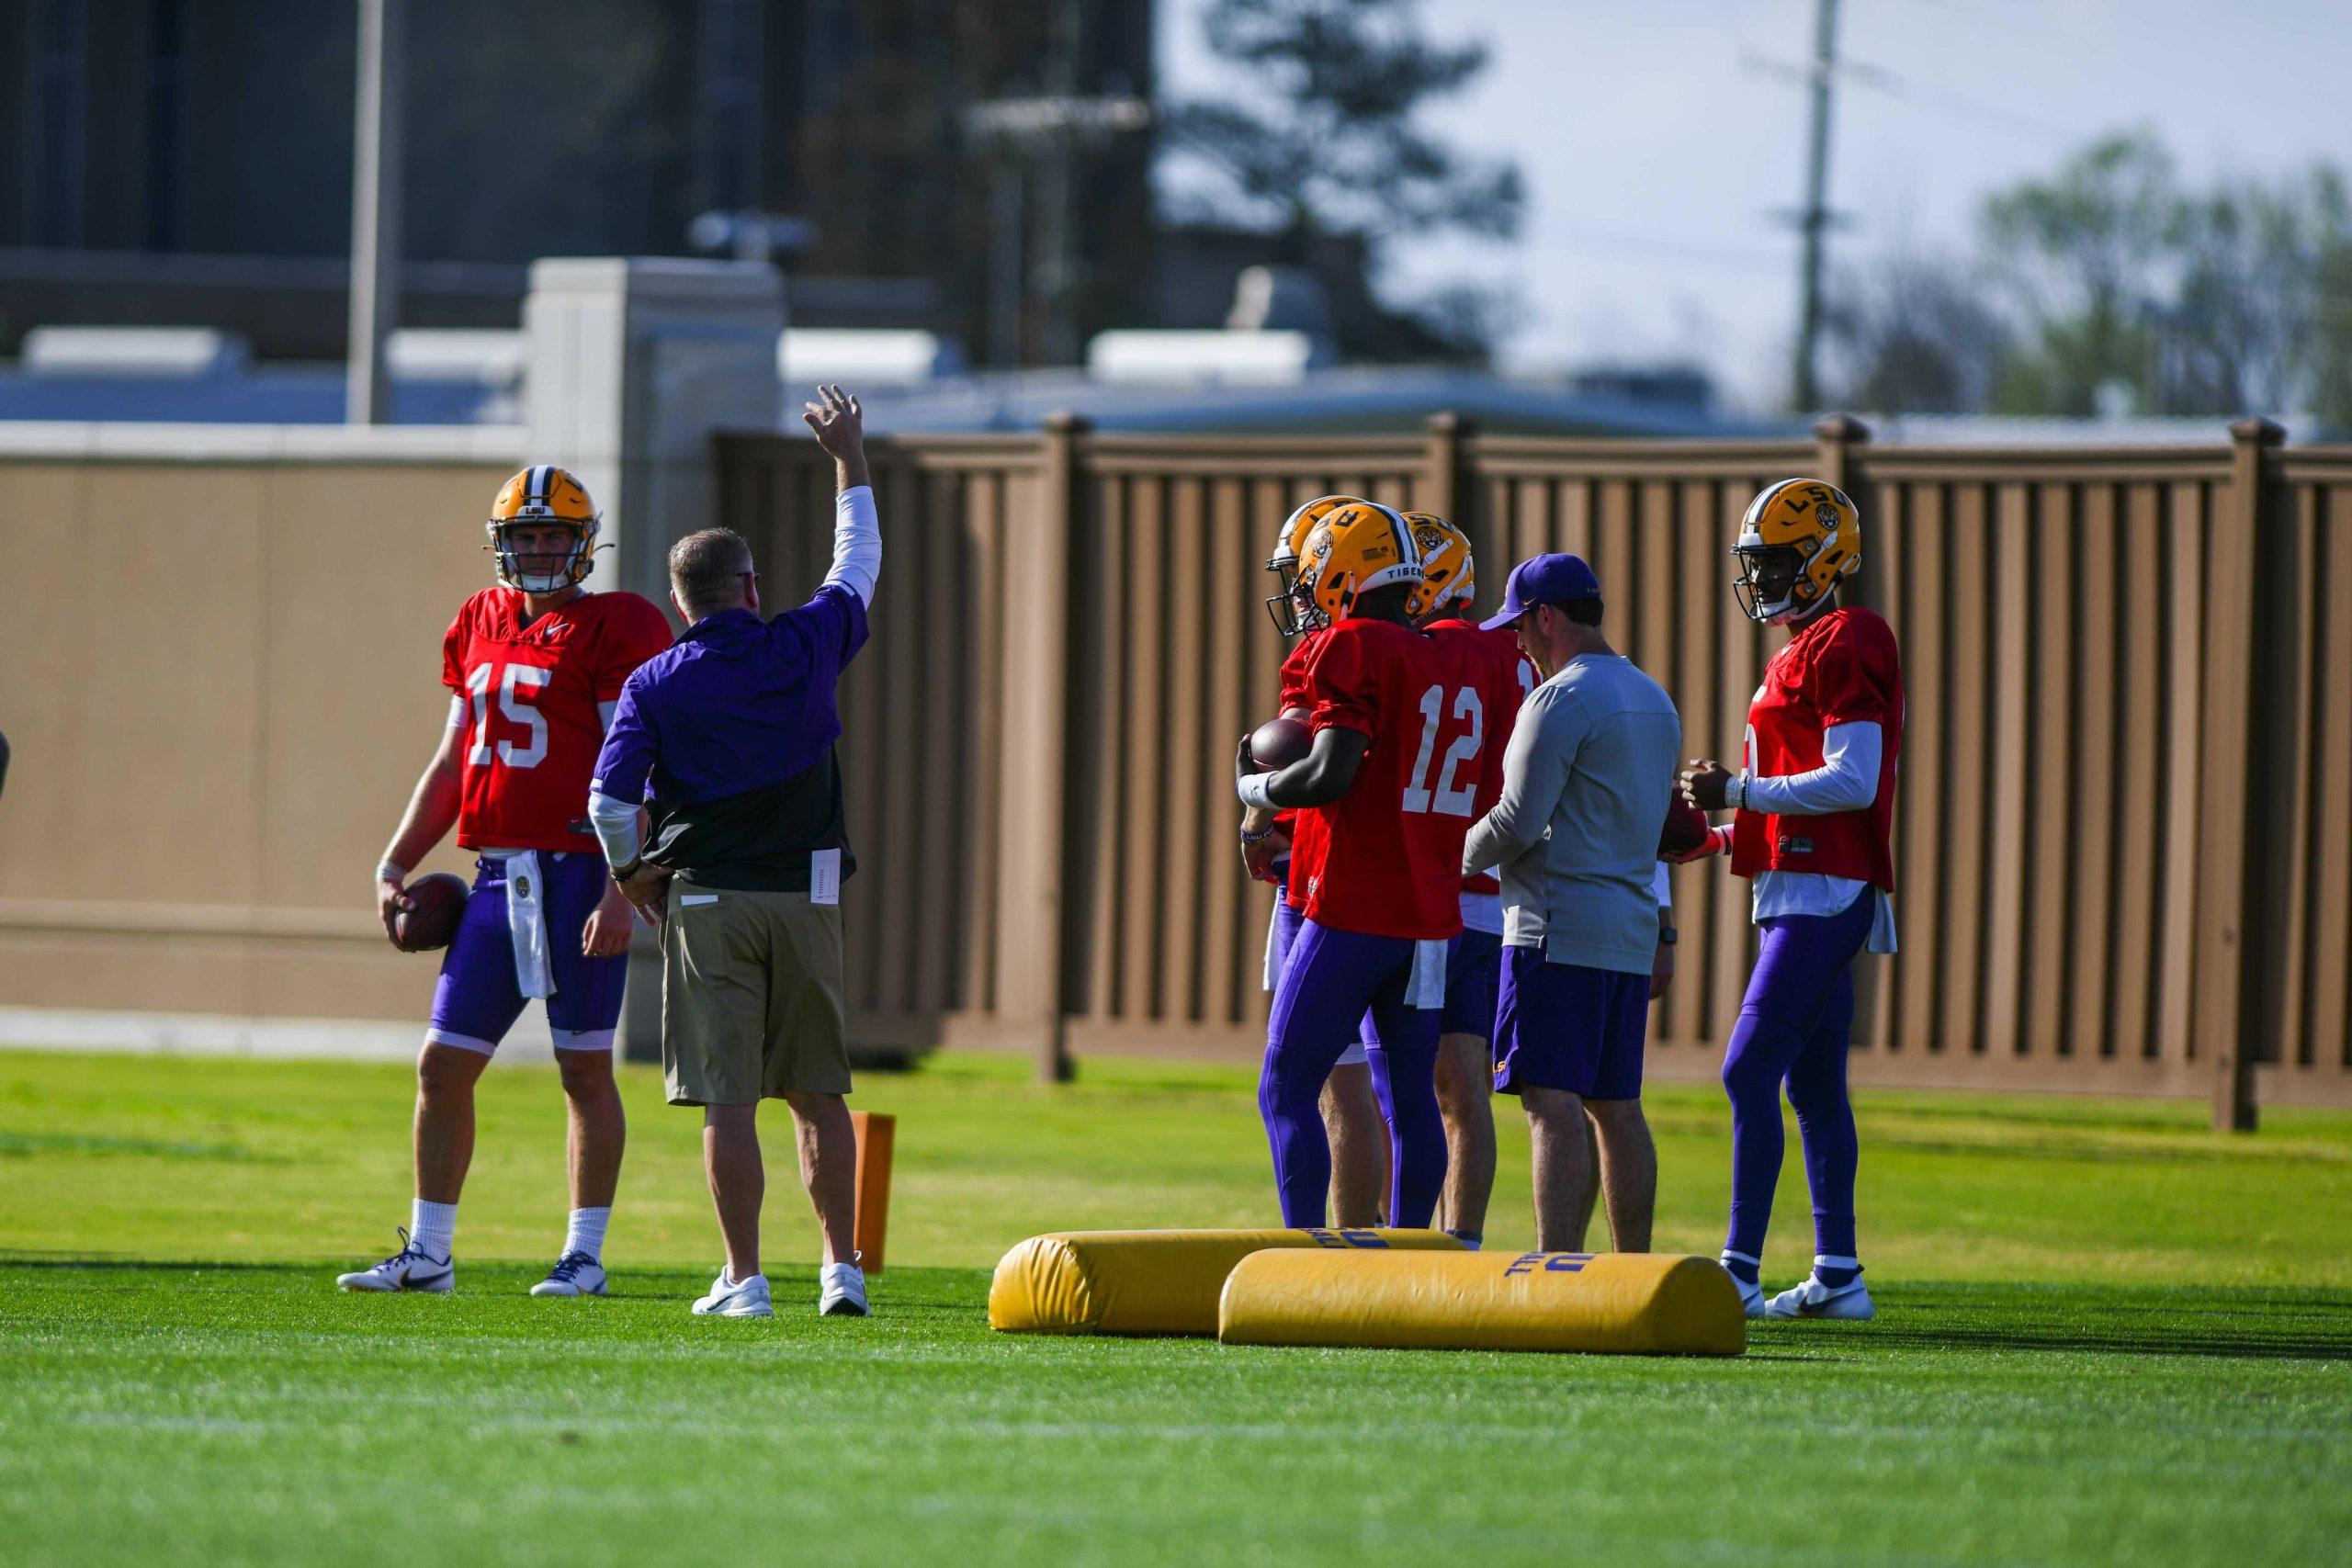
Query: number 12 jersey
x: 1386, y: 858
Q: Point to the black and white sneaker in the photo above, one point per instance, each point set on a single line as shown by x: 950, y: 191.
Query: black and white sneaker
x: 409, y: 1269
x: 841, y: 1291
x: 574, y: 1274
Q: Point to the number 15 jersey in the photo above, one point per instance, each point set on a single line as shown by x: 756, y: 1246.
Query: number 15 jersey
x: 1386, y: 858
x: 531, y: 698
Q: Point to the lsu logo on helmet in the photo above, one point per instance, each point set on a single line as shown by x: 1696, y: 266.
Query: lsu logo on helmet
x: 1446, y: 575
x: 540, y: 496
x: 1295, y: 614
x: 1796, y: 540
x: 1354, y: 550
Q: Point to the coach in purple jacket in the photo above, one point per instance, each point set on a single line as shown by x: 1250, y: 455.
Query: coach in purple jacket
x: 725, y: 744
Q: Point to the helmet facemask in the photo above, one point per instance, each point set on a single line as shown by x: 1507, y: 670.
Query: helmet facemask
x: 544, y: 571
x: 1771, y: 586
x: 1293, y: 609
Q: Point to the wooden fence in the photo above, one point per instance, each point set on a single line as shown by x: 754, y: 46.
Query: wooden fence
x: 2125, y: 833
x: 222, y: 655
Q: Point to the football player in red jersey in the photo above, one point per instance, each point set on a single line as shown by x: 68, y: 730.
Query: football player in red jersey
x: 1350, y: 1107
x: 1465, y: 1067
x: 1814, y: 830
x: 1384, y: 799
x: 533, y: 666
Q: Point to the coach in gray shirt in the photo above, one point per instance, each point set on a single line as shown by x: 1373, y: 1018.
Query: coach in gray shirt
x: 1586, y: 784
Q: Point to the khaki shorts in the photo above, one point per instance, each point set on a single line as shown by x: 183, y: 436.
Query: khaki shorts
x: 750, y: 996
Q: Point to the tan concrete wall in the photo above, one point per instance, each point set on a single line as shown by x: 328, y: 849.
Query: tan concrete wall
x: 220, y: 678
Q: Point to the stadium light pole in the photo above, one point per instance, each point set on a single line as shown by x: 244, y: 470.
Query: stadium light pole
x: 374, y: 209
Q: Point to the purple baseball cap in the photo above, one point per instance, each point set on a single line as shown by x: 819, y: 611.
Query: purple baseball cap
x: 1543, y: 580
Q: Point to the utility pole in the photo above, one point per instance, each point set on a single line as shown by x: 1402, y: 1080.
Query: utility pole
x: 1039, y: 145
x: 1815, y: 220
x: 374, y: 209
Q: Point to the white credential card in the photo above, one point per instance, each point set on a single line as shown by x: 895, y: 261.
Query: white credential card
x: 824, y: 876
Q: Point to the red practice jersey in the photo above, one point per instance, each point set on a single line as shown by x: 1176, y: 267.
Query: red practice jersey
x: 1386, y: 858
x: 1842, y: 668
x: 534, y: 720
x: 1518, y: 679
x: 1294, y: 695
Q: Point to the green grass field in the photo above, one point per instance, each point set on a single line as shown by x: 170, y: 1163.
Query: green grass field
x: 2106, y: 1336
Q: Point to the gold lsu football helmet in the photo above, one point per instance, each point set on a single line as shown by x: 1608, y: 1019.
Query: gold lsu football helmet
x: 1293, y: 615
x: 1353, y: 551
x: 540, y: 495
x: 1796, y: 540
x: 1446, y: 573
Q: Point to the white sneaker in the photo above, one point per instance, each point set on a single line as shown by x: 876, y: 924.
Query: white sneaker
x: 736, y: 1298
x: 844, y: 1292
x: 574, y: 1274
x: 1850, y: 1301
x: 409, y: 1269
x: 1751, y: 1294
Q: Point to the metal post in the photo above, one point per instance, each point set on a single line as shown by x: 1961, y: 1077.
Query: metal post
x: 2233, y: 894
x: 374, y: 209
x: 1815, y: 219
x: 1442, y: 468
x: 1049, y: 741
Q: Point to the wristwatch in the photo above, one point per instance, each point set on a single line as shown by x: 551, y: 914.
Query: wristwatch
x: 1669, y: 935
x: 623, y: 872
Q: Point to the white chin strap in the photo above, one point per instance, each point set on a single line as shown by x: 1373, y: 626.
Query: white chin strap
x: 542, y: 583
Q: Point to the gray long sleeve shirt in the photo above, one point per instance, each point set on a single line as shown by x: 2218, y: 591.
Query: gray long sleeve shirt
x: 1585, y: 782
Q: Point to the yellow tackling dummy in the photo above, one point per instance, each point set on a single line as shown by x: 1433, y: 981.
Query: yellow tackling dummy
x: 1155, y: 1282
x: 1642, y: 1304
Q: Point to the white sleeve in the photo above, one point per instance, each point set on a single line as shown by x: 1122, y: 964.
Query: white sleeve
x: 857, y: 543
x: 1845, y: 781
x: 1662, y: 886
x: 458, y: 711
x: 616, y: 823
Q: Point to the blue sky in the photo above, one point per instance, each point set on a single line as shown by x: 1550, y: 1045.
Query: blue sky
x: 1657, y: 147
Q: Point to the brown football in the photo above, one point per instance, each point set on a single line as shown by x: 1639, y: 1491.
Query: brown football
x: 1279, y: 743
x: 440, y: 901
x: 1686, y: 828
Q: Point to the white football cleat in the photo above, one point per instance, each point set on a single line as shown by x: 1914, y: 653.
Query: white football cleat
x: 844, y: 1292
x: 736, y: 1298
x: 409, y: 1269
x: 1849, y: 1301
x: 574, y: 1274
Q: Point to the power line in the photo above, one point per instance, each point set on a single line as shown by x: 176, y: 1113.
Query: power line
x: 1894, y: 85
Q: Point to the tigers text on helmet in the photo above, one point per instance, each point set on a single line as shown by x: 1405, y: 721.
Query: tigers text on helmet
x: 1294, y: 614
x: 1446, y: 575
x: 1797, y: 538
x: 541, y: 496
x: 1354, y: 550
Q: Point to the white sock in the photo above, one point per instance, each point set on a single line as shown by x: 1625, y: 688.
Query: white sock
x: 432, y: 1227
x: 586, y: 1233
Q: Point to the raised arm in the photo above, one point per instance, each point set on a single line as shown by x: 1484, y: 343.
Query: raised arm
x: 840, y: 427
